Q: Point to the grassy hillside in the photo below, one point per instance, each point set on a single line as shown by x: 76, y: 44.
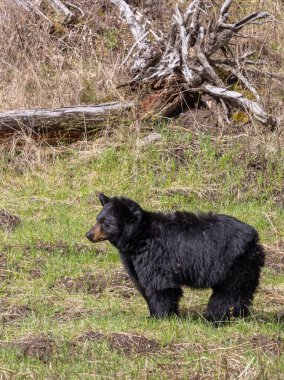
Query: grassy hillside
x: 68, y: 310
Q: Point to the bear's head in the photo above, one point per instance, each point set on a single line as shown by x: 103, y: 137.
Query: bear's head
x: 119, y: 218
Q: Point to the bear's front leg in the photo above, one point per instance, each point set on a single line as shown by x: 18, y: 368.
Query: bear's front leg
x: 164, y: 302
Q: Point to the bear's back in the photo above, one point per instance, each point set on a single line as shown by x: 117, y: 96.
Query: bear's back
x: 200, y: 246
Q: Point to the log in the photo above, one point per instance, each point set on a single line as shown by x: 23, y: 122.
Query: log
x: 67, y: 123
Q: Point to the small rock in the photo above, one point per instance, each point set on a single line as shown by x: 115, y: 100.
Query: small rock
x: 150, y: 139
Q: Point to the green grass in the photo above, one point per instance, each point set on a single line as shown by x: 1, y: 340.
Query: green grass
x: 57, y: 203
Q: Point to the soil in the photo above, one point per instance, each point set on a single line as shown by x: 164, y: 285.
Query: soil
x: 272, y: 296
x: 35, y: 273
x: 123, y: 342
x: 39, y: 347
x: 68, y: 314
x: 118, y: 282
x: 9, y: 221
x: 10, y: 314
x: 269, y: 346
x: 275, y: 257
x: 88, y: 283
x: 199, y: 120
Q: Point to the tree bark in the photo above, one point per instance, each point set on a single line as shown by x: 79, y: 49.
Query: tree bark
x: 68, y: 123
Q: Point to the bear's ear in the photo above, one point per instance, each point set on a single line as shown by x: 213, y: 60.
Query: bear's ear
x: 103, y: 199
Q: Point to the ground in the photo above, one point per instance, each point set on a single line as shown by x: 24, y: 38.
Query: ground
x: 63, y: 297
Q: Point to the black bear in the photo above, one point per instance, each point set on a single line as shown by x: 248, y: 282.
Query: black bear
x: 163, y: 252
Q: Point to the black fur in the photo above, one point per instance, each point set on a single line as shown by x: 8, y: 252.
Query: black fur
x: 163, y: 252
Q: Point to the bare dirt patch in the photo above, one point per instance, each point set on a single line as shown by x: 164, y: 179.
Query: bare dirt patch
x: 10, y: 314
x: 120, y: 284
x: 200, y: 120
x: 125, y: 343
x: 39, y: 347
x: 96, y: 283
x: 35, y: 273
x: 8, y: 220
x: 69, y: 313
x: 275, y: 257
x: 270, y: 346
x: 272, y: 296
x: 88, y: 283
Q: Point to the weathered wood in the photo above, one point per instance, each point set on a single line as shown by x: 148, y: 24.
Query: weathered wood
x: 186, y: 56
x: 60, y: 8
x: 66, y: 122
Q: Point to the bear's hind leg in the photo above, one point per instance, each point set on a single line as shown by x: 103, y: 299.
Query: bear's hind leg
x: 164, y: 302
x: 233, y: 297
x: 225, y: 305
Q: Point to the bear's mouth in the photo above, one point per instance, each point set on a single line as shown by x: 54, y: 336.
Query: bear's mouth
x: 96, y: 234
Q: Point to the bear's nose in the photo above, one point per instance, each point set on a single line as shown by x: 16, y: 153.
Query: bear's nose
x: 89, y: 235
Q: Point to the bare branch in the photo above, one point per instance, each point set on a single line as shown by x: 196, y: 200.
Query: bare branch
x: 76, y: 7
x: 224, y: 10
x: 58, y: 6
x: 247, y: 20
x: 184, y: 46
x: 210, y: 72
x: 240, y: 100
x: 132, y: 48
x: 242, y: 79
x: 192, y: 7
x: 134, y: 26
x: 193, y: 28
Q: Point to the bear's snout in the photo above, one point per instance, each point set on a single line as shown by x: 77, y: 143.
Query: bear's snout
x: 89, y: 235
x: 96, y: 234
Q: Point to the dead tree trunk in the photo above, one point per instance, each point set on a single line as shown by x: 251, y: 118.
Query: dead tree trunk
x: 194, y: 64
x: 66, y: 123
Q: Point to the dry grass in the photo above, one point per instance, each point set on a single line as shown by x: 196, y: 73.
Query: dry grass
x: 80, y: 64
x: 72, y: 65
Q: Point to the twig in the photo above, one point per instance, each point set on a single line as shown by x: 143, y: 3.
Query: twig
x: 239, y: 99
x: 242, y: 78
x: 184, y: 46
x: 134, y: 26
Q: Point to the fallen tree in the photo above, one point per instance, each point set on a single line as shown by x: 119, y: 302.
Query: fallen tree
x: 64, y: 123
x: 194, y: 64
